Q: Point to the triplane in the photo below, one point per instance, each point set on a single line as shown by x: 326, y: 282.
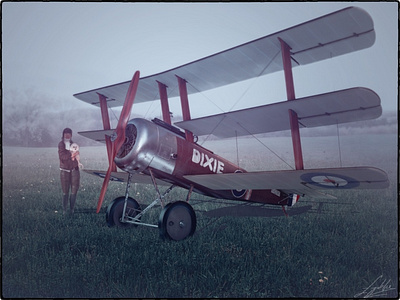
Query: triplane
x: 159, y: 153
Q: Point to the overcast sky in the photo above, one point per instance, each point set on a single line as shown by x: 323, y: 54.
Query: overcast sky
x: 59, y: 49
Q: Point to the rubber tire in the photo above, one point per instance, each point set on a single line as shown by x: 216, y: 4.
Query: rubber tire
x: 177, y: 221
x: 115, y: 209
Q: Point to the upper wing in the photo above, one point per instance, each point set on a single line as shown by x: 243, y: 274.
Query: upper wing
x: 297, y: 181
x: 337, y: 107
x: 338, y: 33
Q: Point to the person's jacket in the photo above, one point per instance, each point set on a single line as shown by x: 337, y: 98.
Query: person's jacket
x: 66, y: 162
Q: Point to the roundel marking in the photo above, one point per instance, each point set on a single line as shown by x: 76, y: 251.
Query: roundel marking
x: 330, y: 181
x: 238, y: 193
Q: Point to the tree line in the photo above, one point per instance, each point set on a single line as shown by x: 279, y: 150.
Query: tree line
x: 31, y: 119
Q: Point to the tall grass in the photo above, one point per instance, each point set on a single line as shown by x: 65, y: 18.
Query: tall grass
x: 333, y: 249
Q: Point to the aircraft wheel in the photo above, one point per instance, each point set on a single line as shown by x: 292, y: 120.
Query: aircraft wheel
x: 116, y: 208
x: 177, y: 221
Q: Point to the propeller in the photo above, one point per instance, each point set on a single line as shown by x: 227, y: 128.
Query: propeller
x: 118, y: 137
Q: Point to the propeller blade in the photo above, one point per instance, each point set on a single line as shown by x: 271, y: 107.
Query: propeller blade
x: 120, y: 133
x: 106, y: 180
x: 126, y: 111
x: 104, y: 189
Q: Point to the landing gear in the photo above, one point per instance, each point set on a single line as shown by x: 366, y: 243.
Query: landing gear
x: 177, y: 221
x: 115, y: 212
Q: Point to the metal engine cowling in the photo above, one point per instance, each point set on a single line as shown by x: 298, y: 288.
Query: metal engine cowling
x: 147, y: 145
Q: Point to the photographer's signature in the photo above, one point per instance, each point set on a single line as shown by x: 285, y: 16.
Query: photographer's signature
x: 378, y: 288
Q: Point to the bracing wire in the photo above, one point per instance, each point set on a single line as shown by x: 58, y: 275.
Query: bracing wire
x: 205, y: 96
x: 253, y: 82
x: 155, y: 98
x: 116, y: 117
x: 152, y: 102
x: 148, y: 109
x: 113, y: 112
x: 244, y: 93
x: 248, y: 88
x: 273, y: 152
x: 212, y: 131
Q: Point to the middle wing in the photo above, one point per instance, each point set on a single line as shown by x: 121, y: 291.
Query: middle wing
x: 337, y: 107
x: 297, y: 181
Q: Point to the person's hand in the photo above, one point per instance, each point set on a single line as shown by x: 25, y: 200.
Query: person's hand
x: 74, y: 154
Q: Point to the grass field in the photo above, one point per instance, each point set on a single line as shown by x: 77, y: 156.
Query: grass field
x: 341, y: 248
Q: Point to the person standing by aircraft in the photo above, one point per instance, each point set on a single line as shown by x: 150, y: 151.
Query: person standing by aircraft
x: 69, y: 171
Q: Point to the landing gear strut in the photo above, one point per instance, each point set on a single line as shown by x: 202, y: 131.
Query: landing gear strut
x: 177, y: 220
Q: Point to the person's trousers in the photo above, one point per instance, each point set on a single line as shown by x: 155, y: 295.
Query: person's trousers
x: 69, y: 181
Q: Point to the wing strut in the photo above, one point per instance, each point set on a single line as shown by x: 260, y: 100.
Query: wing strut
x: 164, y: 102
x: 294, y: 122
x: 185, y: 105
x: 107, y: 126
x: 183, y: 93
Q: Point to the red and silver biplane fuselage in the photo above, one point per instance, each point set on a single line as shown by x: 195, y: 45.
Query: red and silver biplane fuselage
x: 171, y: 157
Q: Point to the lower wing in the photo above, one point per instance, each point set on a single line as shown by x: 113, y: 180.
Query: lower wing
x: 303, y: 182
x: 123, y: 177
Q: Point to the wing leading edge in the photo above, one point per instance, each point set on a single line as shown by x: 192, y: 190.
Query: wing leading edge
x: 123, y: 177
x: 305, y: 182
x: 97, y: 135
x: 341, y: 32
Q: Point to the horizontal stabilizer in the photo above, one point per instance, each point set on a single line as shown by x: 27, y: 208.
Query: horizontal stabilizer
x: 123, y: 177
x: 341, y: 32
x: 97, y: 135
x: 297, y: 181
x: 337, y: 107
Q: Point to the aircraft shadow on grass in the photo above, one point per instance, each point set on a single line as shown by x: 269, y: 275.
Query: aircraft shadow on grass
x: 255, y: 211
x: 247, y: 210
